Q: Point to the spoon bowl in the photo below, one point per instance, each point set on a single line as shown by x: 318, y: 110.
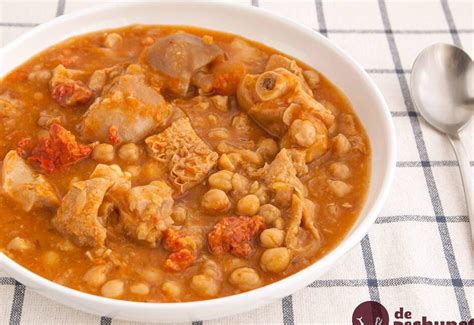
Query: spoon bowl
x: 442, y: 87
x: 442, y: 91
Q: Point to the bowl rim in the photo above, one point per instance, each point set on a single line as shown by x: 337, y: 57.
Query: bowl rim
x: 273, y: 289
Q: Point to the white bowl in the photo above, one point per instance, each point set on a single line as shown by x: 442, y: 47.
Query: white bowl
x: 259, y: 25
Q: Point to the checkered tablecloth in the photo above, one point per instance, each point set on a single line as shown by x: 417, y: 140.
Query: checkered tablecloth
x: 418, y: 255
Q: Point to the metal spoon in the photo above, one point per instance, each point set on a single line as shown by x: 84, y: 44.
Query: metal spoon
x: 442, y: 90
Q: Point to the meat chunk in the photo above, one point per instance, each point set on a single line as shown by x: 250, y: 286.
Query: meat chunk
x: 178, y: 56
x: 240, y: 51
x: 182, y: 248
x: 60, y: 149
x: 148, y: 213
x: 279, y: 61
x: 234, y: 235
x: 77, y: 217
x: 121, y: 180
x: 280, y: 101
x: 302, y: 213
x: 24, y: 186
x: 187, y: 156
x: 99, y: 78
x: 129, y: 108
x: 66, y: 90
x: 281, y: 174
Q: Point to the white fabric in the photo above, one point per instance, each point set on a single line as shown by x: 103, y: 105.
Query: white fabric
x: 418, y: 254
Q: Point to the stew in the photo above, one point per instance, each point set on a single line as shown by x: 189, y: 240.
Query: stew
x: 169, y: 164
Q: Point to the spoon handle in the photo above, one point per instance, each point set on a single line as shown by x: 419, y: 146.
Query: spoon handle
x: 465, y: 169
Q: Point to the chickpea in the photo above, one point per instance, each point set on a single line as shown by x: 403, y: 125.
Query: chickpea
x: 245, y: 278
x: 302, y: 132
x: 129, y: 152
x: 250, y: 157
x: 339, y: 188
x: 339, y: 170
x: 347, y: 124
x: 215, y: 201
x: 223, y: 147
x: 97, y: 80
x: 221, y: 180
x: 262, y: 194
x: 205, y: 285
x: 312, y: 78
x: 221, y: 102
x: 268, y: 148
x: 248, y: 205
x: 51, y: 258
x: 103, y: 153
x: 40, y: 76
x: 96, y: 276
x: 275, y: 260
x: 113, y: 289
x: 19, y: 244
x: 233, y: 263
x: 172, y: 289
x: 218, y: 134
x: 113, y: 40
x: 154, y: 276
x: 212, y: 118
x: 279, y: 223
x: 66, y: 246
x: 141, y: 289
x: 179, y: 215
x: 134, y: 170
x: 270, y: 213
x: 240, y: 184
x: 341, y: 144
x: 272, y: 237
x: 225, y: 163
